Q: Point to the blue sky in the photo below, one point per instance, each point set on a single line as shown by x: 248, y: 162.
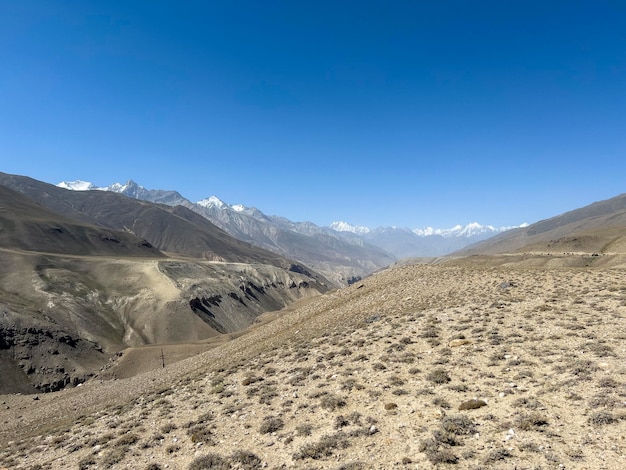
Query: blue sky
x: 406, y: 113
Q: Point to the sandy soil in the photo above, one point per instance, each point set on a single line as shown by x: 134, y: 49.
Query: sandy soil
x: 476, y: 365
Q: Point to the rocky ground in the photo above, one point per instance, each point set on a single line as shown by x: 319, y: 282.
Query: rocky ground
x: 425, y: 366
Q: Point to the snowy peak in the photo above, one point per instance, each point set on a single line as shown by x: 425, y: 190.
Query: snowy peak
x: 346, y: 227
x: 470, y: 230
x: 214, y: 202
x: 130, y: 188
x: 473, y: 229
x: 77, y: 185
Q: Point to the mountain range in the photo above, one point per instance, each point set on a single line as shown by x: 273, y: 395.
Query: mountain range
x: 85, y: 274
x: 191, y: 364
x: 340, y: 251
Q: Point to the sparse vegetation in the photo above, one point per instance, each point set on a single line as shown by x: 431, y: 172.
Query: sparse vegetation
x: 310, y: 401
x: 271, y: 424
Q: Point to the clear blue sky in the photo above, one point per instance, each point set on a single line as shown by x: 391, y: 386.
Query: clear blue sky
x: 407, y: 113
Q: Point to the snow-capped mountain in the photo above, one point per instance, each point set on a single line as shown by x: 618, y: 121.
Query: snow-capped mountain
x: 212, y: 201
x: 215, y: 203
x: 77, y: 185
x: 346, y: 227
x: 422, y: 242
x: 472, y: 229
x: 341, y: 250
x: 322, y: 249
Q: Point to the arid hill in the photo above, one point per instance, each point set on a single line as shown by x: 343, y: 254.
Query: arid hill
x: 503, y: 361
x: 599, y: 227
x: 170, y: 229
x: 424, y: 366
x: 83, y: 283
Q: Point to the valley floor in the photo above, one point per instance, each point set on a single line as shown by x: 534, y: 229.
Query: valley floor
x: 415, y: 367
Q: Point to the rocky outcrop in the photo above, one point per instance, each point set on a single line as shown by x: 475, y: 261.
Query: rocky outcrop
x: 48, y: 359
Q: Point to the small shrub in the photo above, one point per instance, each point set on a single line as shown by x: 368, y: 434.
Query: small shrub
x: 271, y: 424
x: 330, y: 402
x: 602, y: 418
x: 442, y: 402
x: 608, y: 382
x: 531, y: 422
x: 352, y: 466
x: 209, y: 462
x: 323, y: 448
x: 86, y: 462
x: 304, y: 429
x: 446, y: 437
x: 438, y: 376
x: 530, y: 403
x: 246, y: 460
x: 396, y: 381
x: 498, y: 454
x: 200, y: 433
x: 459, y: 425
x: 114, y: 456
x: 127, y: 440
x: 167, y: 428
x: 341, y: 421
x: 440, y: 456
x: 250, y: 379
x: 459, y: 387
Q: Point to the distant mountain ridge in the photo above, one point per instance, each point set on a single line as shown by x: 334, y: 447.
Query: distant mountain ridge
x: 598, y: 227
x: 425, y: 242
x: 342, y: 248
x: 87, y: 273
x: 336, y: 257
x: 470, y: 230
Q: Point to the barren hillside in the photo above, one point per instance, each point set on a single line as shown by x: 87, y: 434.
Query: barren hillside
x: 503, y: 365
x: 73, y: 291
x: 598, y: 227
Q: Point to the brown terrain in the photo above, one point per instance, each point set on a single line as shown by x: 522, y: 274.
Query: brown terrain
x: 513, y: 360
x: 496, y: 365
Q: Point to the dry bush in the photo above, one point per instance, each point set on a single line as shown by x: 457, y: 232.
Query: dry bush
x: 330, y: 402
x: 209, y: 462
x: 271, y: 424
x: 602, y: 418
x: 200, y: 433
x: 246, y: 460
x: 323, y: 448
x: 458, y: 424
x: 531, y: 422
x: 304, y: 429
x: 438, y: 376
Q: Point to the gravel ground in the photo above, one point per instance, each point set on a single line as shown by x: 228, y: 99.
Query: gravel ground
x: 486, y: 365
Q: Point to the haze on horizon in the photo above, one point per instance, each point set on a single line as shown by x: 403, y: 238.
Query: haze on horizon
x: 374, y: 113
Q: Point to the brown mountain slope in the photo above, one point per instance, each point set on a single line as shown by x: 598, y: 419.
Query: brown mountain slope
x: 73, y: 291
x: 415, y: 367
x: 170, y: 229
x: 25, y: 225
x: 598, y: 227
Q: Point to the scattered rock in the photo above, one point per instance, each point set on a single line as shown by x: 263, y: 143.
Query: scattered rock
x: 472, y: 404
